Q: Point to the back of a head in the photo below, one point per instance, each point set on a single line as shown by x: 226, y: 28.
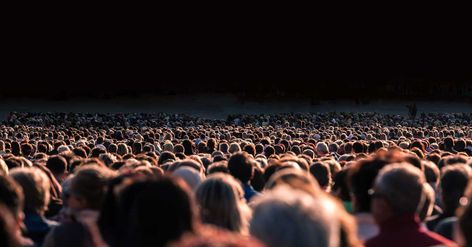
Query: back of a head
x: 322, y: 174
x: 286, y: 217
x: 35, y: 186
x: 11, y: 195
x: 402, y: 185
x: 89, y: 184
x: 454, y: 181
x: 220, y: 201
x: 295, y: 179
x: 57, y: 164
x: 161, y: 211
x: 240, y: 165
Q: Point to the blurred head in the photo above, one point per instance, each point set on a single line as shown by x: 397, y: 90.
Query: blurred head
x: 159, y: 212
x: 287, y: 217
x: 35, y: 186
x: 398, y: 190
x: 221, y: 202
x: 87, y: 188
x: 241, y: 166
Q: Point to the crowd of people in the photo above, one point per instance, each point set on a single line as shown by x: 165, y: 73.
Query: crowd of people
x: 318, y: 179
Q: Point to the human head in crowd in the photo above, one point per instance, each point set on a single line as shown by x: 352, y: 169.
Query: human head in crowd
x: 241, y: 166
x: 159, y: 212
x: 36, y: 187
x: 11, y: 217
x: 58, y: 166
x: 88, y: 187
x: 322, y: 174
x: 287, y: 217
x: 398, y: 197
x: 221, y: 203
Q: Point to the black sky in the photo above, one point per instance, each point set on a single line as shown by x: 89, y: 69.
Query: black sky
x: 47, y: 62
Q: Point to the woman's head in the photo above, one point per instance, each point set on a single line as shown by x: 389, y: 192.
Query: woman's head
x: 221, y: 202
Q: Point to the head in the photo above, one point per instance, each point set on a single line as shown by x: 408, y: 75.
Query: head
x: 241, y: 166
x: 322, y: 174
x: 286, y: 217
x: 221, y: 203
x: 11, y: 196
x: 398, y: 190
x: 158, y: 212
x: 88, y: 186
x: 454, y: 181
x: 35, y: 186
x: 58, y: 166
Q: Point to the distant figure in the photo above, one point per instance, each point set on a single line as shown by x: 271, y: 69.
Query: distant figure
x: 412, y: 110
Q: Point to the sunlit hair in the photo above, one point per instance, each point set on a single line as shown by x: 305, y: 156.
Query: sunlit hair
x: 221, y: 202
x: 294, y: 178
x: 288, y: 217
x: 35, y: 185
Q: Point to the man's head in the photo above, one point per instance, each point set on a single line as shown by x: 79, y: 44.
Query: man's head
x: 241, y: 166
x: 397, y: 191
x: 58, y: 166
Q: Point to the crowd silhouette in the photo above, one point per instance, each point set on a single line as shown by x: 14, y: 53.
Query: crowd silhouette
x: 312, y: 179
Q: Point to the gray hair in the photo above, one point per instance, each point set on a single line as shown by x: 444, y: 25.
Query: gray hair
x: 286, y: 217
x: 322, y: 147
x: 402, y: 185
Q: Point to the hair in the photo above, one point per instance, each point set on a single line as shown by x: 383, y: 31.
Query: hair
x: 286, y: 217
x: 322, y: 174
x: 294, y: 178
x: 159, y: 212
x: 361, y: 177
x: 401, y: 185
x: 8, y: 235
x: 221, y: 202
x: 35, y: 186
x: 57, y: 164
x: 322, y: 148
x: 89, y: 184
x: 241, y: 166
x: 11, y: 195
x: 454, y: 181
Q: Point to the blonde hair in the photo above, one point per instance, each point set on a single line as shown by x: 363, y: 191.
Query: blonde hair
x: 221, y: 201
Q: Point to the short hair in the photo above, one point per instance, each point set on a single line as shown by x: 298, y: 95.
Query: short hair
x: 234, y: 148
x: 294, y: 178
x: 286, y: 217
x: 57, y: 164
x: 322, y: 147
x: 401, y: 185
x: 241, y: 166
x: 431, y: 172
x: 89, y: 184
x: 322, y: 174
x: 35, y: 186
x: 454, y: 181
x: 159, y: 211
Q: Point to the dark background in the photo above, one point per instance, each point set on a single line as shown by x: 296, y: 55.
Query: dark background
x: 425, y: 60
